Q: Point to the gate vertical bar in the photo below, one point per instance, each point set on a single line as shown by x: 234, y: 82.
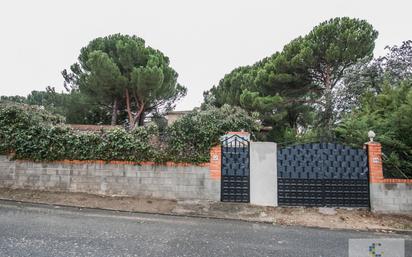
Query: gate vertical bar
x: 235, y: 185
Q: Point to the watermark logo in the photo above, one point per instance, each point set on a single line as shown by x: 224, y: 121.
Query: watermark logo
x: 377, y: 247
x: 373, y: 251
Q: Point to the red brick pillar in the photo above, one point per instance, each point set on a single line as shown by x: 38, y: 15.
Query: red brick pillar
x: 215, y: 162
x: 375, y: 162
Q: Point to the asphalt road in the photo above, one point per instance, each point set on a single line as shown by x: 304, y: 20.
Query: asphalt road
x: 34, y: 230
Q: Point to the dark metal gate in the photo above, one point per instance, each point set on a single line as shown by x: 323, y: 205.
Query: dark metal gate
x: 235, y: 181
x: 322, y: 174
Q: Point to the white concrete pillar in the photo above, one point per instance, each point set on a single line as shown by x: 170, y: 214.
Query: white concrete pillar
x: 263, y: 174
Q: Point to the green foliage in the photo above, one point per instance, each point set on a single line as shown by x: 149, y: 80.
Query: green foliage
x: 267, y: 89
x: 104, y: 81
x: 121, y: 69
x: 389, y: 115
x: 77, y: 108
x: 30, y: 132
x: 290, y: 86
x: 379, y: 96
x: 368, y: 76
x: 15, y: 99
x: 325, y: 53
x: 17, y: 118
x: 231, y: 86
x: 190, y: 138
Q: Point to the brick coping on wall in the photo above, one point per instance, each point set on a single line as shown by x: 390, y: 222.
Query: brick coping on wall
x: 240, y: 133
x: 169, y: 164
x: 376, y: 168
x: 394, y: 180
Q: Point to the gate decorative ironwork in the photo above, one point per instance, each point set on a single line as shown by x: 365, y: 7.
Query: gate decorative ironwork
x: 322, y: 174
x: 235, y: 180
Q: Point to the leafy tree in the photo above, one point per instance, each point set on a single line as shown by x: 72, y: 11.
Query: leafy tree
x: 120, y: 68
x: 14, y: 99
x: 369, y: 75
x: 289, y: 86
x: 397, y: 64
x: 231, y: 86
x: 325, y: 54
x: 76, y: 107
x: 389, y: 115
x: 46, y: 98
x: 280, y: 93
x: 104, y: 82
x: 380, y: 99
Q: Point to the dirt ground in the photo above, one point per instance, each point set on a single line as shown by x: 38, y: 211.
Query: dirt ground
x: 339, y: 218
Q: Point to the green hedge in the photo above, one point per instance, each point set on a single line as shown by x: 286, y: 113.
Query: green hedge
x: 189, y: 139
x: 32, y: 133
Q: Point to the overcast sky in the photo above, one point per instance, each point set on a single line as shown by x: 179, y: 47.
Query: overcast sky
x: 203, y: 39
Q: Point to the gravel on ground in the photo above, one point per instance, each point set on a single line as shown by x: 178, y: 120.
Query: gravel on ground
x: 332, y: 218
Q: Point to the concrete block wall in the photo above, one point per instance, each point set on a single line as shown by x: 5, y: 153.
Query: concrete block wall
x: 387, y: 195
x: 171, y: 181
x: 391, y: 197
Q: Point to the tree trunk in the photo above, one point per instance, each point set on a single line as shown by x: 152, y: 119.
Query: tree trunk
x: 293, y: 120
x: 141, y: 119
x: 114, y: 112
x: 138, y: 117
x: 328, y: 113
x: 129, y: 111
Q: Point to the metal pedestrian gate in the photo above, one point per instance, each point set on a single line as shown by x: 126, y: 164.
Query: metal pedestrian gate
x: 322, y: 174
x: 235, y: 180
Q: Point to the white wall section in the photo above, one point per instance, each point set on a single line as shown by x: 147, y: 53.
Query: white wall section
x: 263, y: 174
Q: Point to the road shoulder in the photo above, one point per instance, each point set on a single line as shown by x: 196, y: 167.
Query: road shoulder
x: 351, y: 219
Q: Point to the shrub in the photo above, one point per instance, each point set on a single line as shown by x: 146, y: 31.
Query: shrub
x: 17, y: 119
x: 32, y: 133
x: 190, y: 138
x: 389, y: 115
